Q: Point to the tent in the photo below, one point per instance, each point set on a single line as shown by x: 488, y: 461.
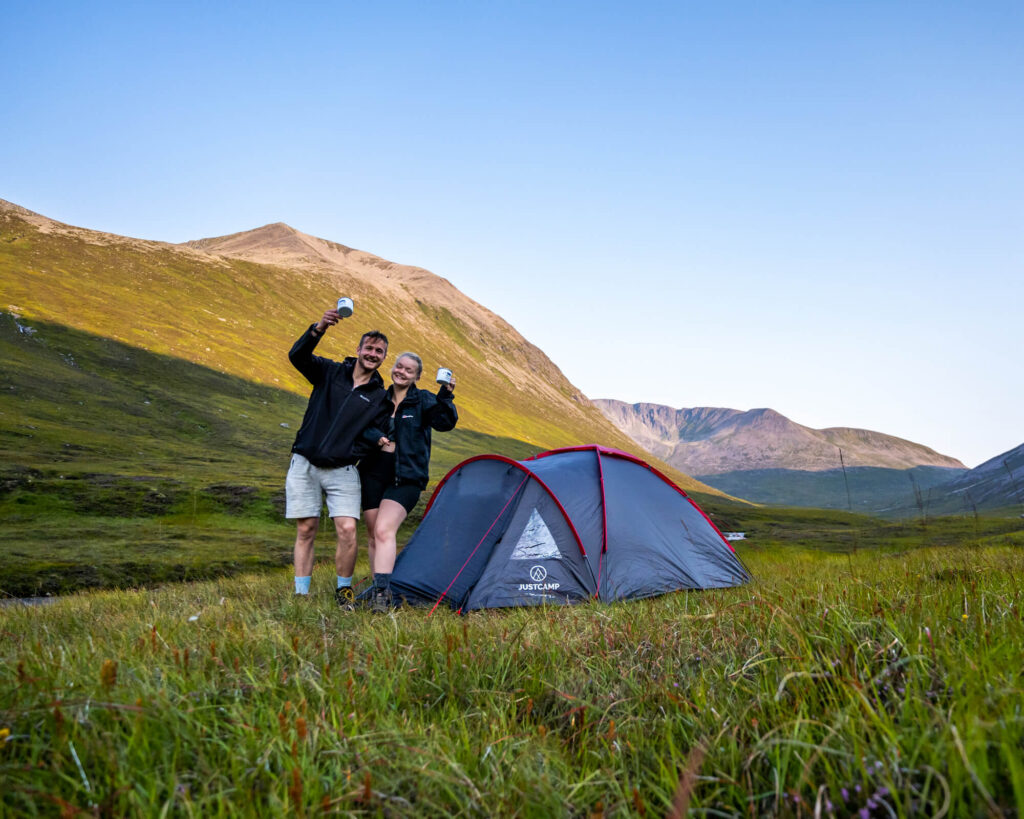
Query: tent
x: 561, y: 527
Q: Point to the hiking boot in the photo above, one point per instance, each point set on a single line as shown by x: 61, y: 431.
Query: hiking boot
x: 382, y: 601
x: 345, y: 598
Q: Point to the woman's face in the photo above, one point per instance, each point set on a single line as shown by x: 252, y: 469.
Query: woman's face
x: 404, y: 373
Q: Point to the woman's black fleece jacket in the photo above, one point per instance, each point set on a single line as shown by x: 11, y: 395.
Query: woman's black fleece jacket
x: 419, y: 412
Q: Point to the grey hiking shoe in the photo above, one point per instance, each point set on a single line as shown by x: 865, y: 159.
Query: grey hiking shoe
x: 345, y: 598
x: 382, y: 601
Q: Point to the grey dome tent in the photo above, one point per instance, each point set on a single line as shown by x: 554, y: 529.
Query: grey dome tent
x: 561, y: 527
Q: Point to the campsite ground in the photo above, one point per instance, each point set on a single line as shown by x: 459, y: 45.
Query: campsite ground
x: 68, y: 531
x: 886, y: 681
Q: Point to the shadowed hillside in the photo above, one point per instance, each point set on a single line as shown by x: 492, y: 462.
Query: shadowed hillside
x: 994, y: 486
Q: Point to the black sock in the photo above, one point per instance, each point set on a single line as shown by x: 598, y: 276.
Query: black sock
x: 382, y: 581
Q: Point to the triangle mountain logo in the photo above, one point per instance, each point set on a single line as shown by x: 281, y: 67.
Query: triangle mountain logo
x: 536, y: 542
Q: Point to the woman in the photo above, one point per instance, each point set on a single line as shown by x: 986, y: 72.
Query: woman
x: 397, y: 472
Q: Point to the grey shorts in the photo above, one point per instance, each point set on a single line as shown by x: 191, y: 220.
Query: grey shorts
x: 306, y: 485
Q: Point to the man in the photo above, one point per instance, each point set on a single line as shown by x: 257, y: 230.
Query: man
x: 348, y: 398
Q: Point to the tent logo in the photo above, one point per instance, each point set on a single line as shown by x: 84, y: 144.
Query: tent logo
x: 538, y: 574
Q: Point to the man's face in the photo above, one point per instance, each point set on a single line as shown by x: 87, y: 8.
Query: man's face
x: 371, y: 353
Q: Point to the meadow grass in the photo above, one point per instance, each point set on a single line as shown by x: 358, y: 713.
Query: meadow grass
x: 885, y: 684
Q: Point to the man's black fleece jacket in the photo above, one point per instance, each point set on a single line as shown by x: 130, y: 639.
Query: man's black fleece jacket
x: 337, y: 416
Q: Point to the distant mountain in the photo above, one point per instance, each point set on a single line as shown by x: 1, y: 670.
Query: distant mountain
x: 712, y: 440
x: 763, y: 456
x: 235, y: 304
x: 997, y: 484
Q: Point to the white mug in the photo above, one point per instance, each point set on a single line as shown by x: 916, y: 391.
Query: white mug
x: 345, y: 307
x: 444, y: 376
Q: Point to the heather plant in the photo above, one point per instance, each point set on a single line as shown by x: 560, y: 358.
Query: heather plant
x: 875, y: 684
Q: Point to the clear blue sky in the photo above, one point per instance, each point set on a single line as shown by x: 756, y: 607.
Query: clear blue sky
x: 817, y: 207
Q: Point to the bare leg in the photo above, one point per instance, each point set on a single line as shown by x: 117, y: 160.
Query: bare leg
x: 345, y: 554
x: 385, y: 535
x: 305, y: 535
x: 370, y: 516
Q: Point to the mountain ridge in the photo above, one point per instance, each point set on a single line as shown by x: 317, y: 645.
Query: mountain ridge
x: 282, y: 245
x: 712, y: 440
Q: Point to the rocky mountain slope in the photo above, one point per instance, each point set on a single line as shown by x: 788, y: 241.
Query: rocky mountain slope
x: 763, y: 456
x: 712, y: 440
x: 235, y: 304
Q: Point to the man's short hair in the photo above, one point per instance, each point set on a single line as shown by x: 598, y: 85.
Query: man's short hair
x: 374, y: 334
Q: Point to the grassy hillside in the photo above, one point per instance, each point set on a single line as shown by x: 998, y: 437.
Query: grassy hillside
x: 886, y: 683
x: 123, y: 467
x: 225, y: 314
x: 147, y: 406
x: 84, y: 403
x: 241, y: 318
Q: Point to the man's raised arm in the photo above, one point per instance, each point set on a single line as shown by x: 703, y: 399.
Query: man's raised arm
x: 301, y: 353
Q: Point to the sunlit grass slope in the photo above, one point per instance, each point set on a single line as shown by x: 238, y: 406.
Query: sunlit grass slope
x: 884, y: 683
x: 241, y: 318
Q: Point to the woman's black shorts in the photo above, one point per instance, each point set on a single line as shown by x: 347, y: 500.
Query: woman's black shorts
x: 375, y: 489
